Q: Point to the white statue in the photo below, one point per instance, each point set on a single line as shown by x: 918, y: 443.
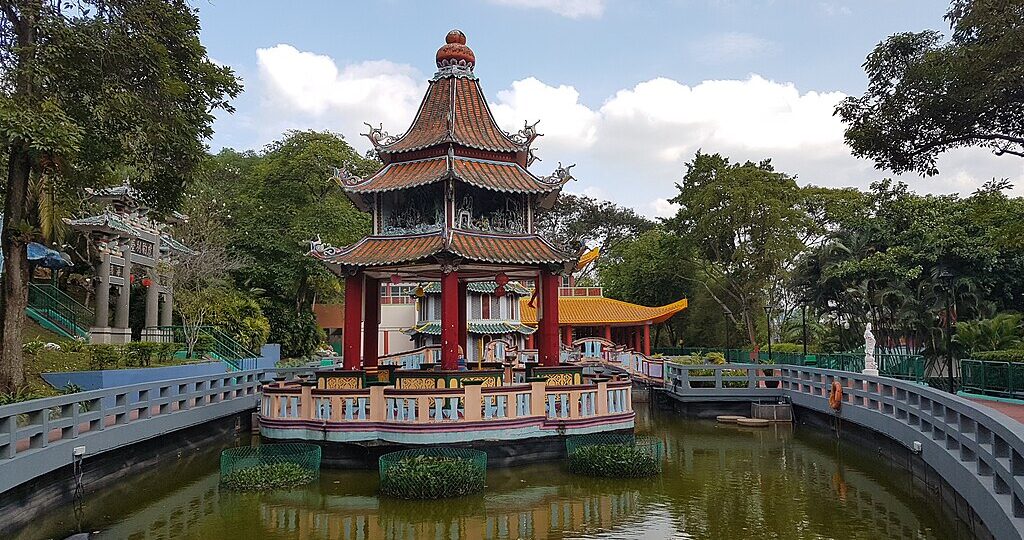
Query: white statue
x: 870, y: 367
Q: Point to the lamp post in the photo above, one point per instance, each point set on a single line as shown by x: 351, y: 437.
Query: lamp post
x: 768, y: 318
x: 947, y: 279
x: 803, y: 318
x: 727, y: 313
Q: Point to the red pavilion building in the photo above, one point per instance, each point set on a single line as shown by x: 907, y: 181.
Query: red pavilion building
x: 454, y: 203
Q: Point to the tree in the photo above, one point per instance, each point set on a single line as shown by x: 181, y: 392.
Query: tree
x: 926, y: 96
x: 745, y: 224
x: 85, y: 87
x: 650, y: 270
x: 577, y: 221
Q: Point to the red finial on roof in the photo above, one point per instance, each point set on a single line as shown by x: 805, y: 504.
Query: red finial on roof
x: 454, y: 53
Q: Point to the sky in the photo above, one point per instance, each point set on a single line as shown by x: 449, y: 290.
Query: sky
x: 628, y: 90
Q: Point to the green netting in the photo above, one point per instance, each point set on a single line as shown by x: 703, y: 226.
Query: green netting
x: 619, y: 455
x: 269, y: 466
x: 432, y: 473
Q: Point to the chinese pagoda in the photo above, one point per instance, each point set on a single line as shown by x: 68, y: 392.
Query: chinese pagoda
x: 453, y: 204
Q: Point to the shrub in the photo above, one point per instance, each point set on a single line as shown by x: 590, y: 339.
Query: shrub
x: 283, y: 475
x: 140, y: 353
x: 165, y: 351
x: 624, y: 460
x: 105, y: 356
x: 32, y: 347
x: 203, y: 345
x: 431, y: 477
x: 19, y: 395
x: 1013, y: 355
x: 790, y: 348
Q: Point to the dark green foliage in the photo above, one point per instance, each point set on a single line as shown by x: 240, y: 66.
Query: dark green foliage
x: 103, y: 356
x: 577, y: 221
x: 927, y: 95
x: 297, y: 333
x: 615, y: 461
x: 432, y: 477
x: 268, y: 477
x: 1016, y: 355
x: 19, y: 395
x: 140, y: 353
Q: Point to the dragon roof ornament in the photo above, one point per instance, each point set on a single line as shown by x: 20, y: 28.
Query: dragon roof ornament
x: 345, y: 178
x: 378, y: 137
x: 526, y: 135
x: 560, y: 176
x: 322, y: 250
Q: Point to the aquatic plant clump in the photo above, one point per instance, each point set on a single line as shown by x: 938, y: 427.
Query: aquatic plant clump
x: 268, y: 477
x: 434, y: 473
x: 627, y: 458
x: 269, y: 466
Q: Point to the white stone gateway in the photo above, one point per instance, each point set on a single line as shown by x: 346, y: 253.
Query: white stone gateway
x: 870, y: 366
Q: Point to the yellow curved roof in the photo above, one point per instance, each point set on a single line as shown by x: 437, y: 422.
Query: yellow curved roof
x: 597, y: 310
x: 588, y: 258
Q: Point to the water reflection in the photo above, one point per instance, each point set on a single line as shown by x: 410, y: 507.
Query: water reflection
x: 718, y: 482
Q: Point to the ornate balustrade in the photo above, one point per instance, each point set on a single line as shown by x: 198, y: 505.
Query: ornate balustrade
x: 299, y: 409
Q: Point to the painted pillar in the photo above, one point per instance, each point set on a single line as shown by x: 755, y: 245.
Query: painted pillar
x: 529, y: 341
x: 371, y: 320
x: 647, y: 339
x: 125, y: 292
x: 353, y: 315
x: 463, y: 315
x: 638, y: 345
x: 103, y: 291
x: 608, y: 332
x: 387, y: 341
x: 548, y: 326
x: 152, y: 298
x: 450, y: 320
x: 568, y: 335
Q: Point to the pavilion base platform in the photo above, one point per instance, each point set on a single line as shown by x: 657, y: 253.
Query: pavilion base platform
x: 107, y: 334
x: 513, y: 422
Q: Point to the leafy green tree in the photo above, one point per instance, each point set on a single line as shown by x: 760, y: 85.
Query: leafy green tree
x: 88, y: 86
x: 650, y: 270
x: 577, y: 221
x: 926, y: 95
x: 999, y: 333
x: 745, y: 224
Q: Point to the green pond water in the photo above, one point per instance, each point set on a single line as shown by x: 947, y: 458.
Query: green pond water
x: 722, y: 482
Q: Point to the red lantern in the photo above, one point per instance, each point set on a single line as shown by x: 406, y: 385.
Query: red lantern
x: 501, y: 279
x: 131, y: 278
x: 499, y: 291
x: 146, y: 282
x: 396, y: 279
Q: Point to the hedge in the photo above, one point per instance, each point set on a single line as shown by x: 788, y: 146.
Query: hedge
x: 1015, y: 355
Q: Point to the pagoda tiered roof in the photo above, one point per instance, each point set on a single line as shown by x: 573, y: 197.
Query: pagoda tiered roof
x: 433, y: 328
x: 530, y: 249
x: 479, y: 287
x: 505, y: 176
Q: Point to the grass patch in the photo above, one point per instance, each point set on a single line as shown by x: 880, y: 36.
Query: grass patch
x: 432, y: 477
x: 268, y: 477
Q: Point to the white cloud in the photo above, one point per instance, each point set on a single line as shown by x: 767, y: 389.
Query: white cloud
x: 304, y: 89
x: 833, y: 9
x: 663, y: 208
x: 632, y: 149
x: 574, y: 9
x: 732, y: 46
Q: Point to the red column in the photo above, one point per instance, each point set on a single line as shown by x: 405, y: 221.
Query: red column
x: 387, y: 342
x: 608, y: 332
x: 463, y: 326
x: 371, y: 320
x: 529, y: 341
x: 647, y: 339
x: 353, y: 316
x: 568, y: 335
x: 450, y: 320
x: 548, y: 350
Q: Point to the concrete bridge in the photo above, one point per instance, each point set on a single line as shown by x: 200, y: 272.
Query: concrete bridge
x: 976, y: 450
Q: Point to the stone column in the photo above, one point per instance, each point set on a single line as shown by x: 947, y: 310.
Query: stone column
x: 102, y: 284
x: 167, y: 308
x: 353, y: 315
x: 152, y: 298
x: 124, y: 294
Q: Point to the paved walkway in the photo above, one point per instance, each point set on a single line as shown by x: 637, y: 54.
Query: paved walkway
x: 1013, y: 410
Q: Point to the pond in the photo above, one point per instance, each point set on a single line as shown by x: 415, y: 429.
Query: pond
x: 721, y: 482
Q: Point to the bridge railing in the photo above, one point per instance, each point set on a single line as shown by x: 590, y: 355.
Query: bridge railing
x: 977, y: 450
x: 1000, y: 379
x: 40, y: 435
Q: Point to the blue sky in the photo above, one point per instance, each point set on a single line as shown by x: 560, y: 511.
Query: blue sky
x: 627, y: 90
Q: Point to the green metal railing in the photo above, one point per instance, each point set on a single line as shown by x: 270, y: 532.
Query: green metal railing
x: 1001, y: 379
x: 213, y: 343
x: 899, y: 366
x: 64, y: 313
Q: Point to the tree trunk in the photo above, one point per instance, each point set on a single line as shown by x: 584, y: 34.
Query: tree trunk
x: 15, y: 271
